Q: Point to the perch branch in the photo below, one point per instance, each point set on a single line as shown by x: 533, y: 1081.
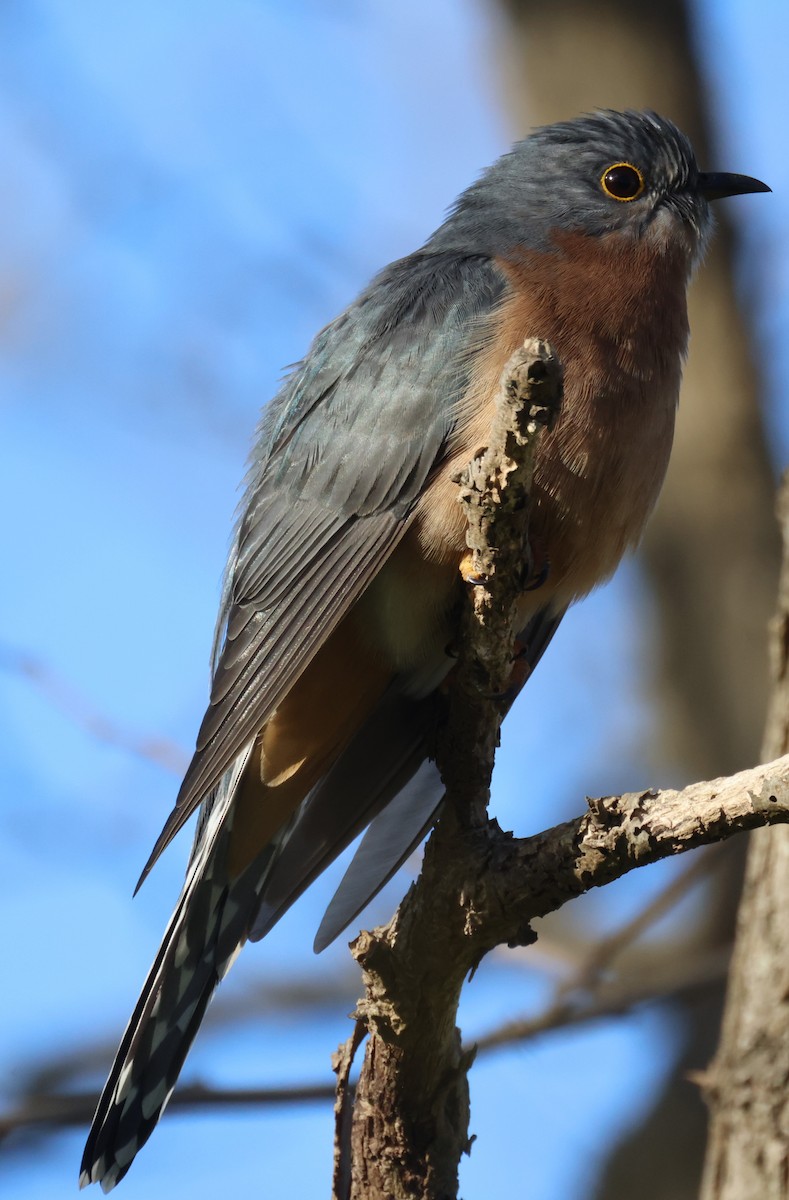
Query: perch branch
x: 480, y: 887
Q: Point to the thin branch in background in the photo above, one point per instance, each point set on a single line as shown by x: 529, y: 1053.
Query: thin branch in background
x: 602, y: 954
x: 47, y: 1105
x: 308, y: 993
x: 42, y: 1112
x: 68, y: 700
x: 608, y: 948
x: 46, y: 1097
x: 587, y: 994
x: 611, y: 999
x: 77, y: 1108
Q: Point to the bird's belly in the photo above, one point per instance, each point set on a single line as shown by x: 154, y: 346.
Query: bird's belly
x: 595, y: 486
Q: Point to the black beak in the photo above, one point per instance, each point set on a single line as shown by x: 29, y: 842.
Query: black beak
x: 714, y: 185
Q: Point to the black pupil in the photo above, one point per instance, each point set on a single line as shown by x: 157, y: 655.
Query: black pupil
x: 622, y: 182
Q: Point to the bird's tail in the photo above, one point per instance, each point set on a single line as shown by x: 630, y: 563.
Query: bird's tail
x: 206, y: 931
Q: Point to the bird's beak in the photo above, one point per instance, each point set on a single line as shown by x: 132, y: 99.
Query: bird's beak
x: 714, y: 185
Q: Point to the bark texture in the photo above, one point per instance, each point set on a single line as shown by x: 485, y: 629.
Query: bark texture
x: 411, y: 1111
x: 479, y: 887
x: 748, y: 1084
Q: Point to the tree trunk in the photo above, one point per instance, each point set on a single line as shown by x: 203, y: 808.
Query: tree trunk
x: 748, y: 1084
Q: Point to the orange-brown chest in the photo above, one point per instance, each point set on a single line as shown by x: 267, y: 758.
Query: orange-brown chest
x: 614, y: 310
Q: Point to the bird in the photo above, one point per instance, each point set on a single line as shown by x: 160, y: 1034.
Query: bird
x: 333, y: 645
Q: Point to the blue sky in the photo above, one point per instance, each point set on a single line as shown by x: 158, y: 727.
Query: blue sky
x: 188, y: 192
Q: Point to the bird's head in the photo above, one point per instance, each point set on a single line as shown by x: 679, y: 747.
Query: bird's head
x: 631, y: 173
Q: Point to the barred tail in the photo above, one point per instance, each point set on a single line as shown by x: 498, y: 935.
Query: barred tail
x: 206, y: 931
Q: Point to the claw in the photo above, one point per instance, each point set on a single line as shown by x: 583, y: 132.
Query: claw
x: 467, y: 571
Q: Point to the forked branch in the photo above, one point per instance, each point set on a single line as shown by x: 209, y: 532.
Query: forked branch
x: 480, y: 887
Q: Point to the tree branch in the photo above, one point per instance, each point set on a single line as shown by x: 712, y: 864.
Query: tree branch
x: 410, y: 1122
x: 64, y: 1109
x: 39, y: 1112
x: 609, y: 1000
x: 494, y: 493
x: 480, y: 887
x: 484, y: 892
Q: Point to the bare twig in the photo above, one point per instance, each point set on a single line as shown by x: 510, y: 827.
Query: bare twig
x: 494, y: 493
x: 64, y: 696
x: 615, y: 999
x: 342, y: 1062
x: 77, y: 1108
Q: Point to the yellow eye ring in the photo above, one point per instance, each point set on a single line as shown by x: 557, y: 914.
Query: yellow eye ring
x: 623, y: 182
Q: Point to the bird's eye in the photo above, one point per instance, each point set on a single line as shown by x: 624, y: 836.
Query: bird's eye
x: 622, y: 181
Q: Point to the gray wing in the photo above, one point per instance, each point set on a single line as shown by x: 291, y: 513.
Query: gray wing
x: 388, y: 842
x: 384, y: 779
x: 375, y: 770
x: 407, y: 813
x: 342, y: 455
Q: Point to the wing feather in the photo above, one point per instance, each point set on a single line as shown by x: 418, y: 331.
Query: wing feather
x: 404, y: 814
x: 343, y: 453
x: 381, y: 760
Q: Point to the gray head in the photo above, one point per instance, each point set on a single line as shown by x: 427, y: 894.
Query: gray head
x: 596, y: 175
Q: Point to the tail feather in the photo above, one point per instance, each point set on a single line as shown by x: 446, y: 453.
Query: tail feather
x: 407, y: 804
x: 389, y: 840
x: 381, y: 759
x: 381, y: 777
x: 206, y: 931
